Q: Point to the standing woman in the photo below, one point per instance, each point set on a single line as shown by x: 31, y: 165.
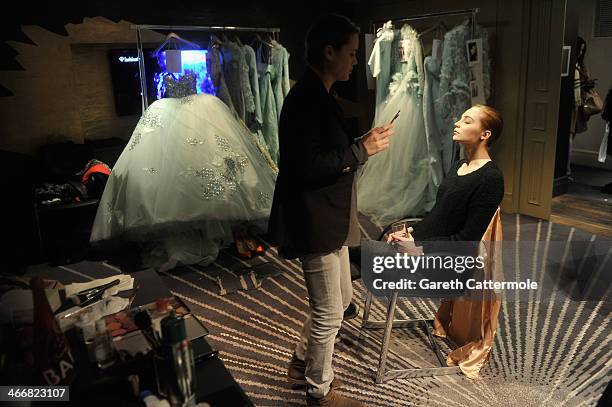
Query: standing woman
x: 314, y: 211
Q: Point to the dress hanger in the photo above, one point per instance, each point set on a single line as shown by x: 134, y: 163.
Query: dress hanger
x: 261, y: 40
x: 388, y: 26
x: 173, y: 38
x: 436, y: 27
x: 214, y: 41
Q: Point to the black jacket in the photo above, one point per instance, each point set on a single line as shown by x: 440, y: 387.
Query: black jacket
x: 318, y: 159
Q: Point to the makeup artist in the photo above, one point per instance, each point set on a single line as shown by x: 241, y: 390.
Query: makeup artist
x: 314, y: 212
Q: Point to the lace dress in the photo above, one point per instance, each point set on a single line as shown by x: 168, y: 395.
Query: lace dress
x: 236, y: 72
x: 189, y: 173
x: 394, y: 183
x: 455, y: 98
x: 214, y: 65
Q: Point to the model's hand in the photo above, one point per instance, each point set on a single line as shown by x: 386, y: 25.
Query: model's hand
x: 405, y: 243
x: 400, y: 237
x: 377, y: 139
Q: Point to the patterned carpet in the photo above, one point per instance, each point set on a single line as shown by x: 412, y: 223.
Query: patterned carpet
x: 545, y: 353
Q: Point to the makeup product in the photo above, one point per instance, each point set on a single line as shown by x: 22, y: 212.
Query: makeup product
x: 395, y: 117
x: 180, y: 385
x: 86, y: 297
x: 104, y: 350
x: 142, y: 319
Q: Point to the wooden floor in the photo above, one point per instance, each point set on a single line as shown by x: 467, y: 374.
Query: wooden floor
x: 584, y: 206
x: 591, y: 215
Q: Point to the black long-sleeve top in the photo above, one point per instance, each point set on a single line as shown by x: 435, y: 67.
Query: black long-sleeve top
x: 464, y: 205
x: 311, y: 209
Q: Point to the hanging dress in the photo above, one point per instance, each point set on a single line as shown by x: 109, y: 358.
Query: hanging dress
x: 236, y: 72
x: 436, y: 144
x: 254, y: 120
x: 214, y: 65
x: 380, y: 60
x: 394, y: 183
x: 280, y: 81
x: 268, y: 75
x: 455, y: 97
x: 190, y: 172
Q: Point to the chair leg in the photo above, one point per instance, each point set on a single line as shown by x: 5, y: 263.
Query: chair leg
x: 387, y: 336
x: 366, y: 309
x: 434, y: 345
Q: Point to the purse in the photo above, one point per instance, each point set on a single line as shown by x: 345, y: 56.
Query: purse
x: 592, y: 103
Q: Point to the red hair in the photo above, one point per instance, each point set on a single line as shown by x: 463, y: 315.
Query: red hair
x: 492, y: 121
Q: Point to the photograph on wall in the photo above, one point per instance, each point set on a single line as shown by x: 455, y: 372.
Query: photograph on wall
x: 476, y: 92
x: 474, y: 51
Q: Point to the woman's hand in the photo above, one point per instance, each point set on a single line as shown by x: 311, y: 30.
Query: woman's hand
x: 405, y: 243
x: 401, y: 236
x: 377, y: 139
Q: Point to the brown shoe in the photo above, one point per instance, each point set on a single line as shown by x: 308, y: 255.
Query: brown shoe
x: 297, y: 370
x: 333, y: 399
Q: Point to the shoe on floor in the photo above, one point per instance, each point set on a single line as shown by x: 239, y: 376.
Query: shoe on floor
x: 333, y: 399
x: 297, y: 370
x: 351, y: 311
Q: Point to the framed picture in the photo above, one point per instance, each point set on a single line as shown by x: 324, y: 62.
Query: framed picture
x: 474, y: 89
x: 565, y: 60
x: 474, y: 51
x: 477, y: 92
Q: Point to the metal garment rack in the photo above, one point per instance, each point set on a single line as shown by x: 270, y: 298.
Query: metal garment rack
x: 470, y: 11
x: 275, y: 31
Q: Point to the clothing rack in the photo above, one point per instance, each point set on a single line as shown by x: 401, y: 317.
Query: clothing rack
x: 470, y: 11
x: 203, y: 28
x: 138, y: 27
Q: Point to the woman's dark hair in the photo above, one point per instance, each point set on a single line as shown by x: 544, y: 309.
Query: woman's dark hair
x: 491, y: 121
x: 331, y: 29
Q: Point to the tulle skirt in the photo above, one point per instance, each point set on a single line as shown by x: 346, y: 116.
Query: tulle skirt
x: 190, y: 172
x: 394, y: 183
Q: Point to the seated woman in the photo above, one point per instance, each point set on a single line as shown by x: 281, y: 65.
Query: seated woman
x: 471, y: 193
x: 466, y: 205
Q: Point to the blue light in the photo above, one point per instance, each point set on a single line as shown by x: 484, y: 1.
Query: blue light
x: 192, y: 61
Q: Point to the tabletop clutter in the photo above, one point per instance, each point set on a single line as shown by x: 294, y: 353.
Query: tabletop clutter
x: 110, y: 330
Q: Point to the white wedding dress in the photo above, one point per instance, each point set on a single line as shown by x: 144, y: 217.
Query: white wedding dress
x: 190, y: 172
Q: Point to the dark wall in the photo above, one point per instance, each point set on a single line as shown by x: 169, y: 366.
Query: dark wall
x: 292, y: 17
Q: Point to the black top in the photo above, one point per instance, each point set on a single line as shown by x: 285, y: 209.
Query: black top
x: 318, y: 158
x: 464, y: 205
